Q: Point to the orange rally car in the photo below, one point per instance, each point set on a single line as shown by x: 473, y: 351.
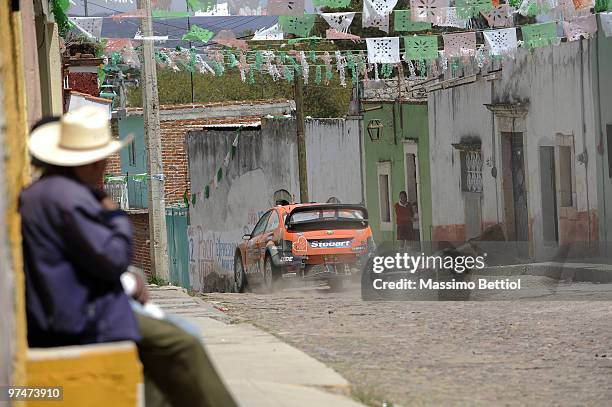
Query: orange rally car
x: 306, y: 241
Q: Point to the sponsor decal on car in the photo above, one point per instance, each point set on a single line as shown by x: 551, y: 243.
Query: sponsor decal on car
x: 330, y: 244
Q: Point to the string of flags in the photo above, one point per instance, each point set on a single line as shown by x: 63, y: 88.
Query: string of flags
x: 424, y: 52
x: 213, y: 184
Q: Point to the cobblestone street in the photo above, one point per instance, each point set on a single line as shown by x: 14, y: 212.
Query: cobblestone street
x: 509, y: 353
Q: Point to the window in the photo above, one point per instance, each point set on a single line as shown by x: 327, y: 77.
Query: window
x: 132, y: 153
x: 273, y: 222
x: 471, y: 170
x: 565, y: 176
x: 261, y: 225
x: 384, y: 195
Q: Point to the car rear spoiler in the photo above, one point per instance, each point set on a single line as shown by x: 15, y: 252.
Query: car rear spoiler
x: 318, y: 207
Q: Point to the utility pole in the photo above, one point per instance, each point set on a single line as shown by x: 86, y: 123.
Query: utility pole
x: 150, y: 104
x: 298, y: 96
x: 190, y: 46
x: 86, y: 8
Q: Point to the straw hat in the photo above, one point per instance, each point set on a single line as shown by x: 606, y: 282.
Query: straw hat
x: 82, y: 136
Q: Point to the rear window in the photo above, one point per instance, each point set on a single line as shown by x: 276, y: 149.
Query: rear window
x: 349, y: 214
x: 327, y: 218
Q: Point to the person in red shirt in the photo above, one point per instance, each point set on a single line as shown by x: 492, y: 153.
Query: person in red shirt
x: 404, y: 216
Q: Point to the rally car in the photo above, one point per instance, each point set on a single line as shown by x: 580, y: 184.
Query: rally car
x: 329, y: 242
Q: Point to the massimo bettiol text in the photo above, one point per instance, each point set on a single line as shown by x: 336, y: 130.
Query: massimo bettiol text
x: 453, y: 265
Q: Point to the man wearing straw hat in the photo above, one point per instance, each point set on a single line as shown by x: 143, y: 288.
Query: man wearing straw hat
x: 77, y: 244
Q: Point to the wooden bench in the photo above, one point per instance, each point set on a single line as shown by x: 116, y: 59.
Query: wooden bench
x: 102, y: 375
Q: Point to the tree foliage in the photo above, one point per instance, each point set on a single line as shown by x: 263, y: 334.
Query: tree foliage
x: 175, y: 87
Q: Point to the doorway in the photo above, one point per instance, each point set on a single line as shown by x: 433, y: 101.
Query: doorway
x: 515, y: 187
x: 550, y: 219
x: 412, y: 187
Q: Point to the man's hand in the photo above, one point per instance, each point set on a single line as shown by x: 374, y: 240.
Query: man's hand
x: 141, y: 293
x: 108, y: 204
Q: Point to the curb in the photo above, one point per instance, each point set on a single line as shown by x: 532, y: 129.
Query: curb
x: 577, y: 272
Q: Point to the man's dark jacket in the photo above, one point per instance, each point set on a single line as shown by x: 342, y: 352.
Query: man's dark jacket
x: 74, y: 253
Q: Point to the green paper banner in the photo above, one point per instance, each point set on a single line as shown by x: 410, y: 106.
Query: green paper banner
x: 331, y: 3
x: 421, y: 47
x: 539, y: 35
x: 219, y: 174
x: 467, y: 9
x: 207, y: 191
x: 299, y: 26
x: 402, y: 21
x: 202, y: 5
x: 197, y: 33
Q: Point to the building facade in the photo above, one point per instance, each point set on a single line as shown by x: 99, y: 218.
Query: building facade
x: 395, y: 141
x: 520, y: 147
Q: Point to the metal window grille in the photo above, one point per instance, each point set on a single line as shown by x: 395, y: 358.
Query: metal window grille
x: 471, y: 163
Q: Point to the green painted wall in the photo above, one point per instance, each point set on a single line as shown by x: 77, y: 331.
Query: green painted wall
x: 401, y: 122
x: 137, y: 191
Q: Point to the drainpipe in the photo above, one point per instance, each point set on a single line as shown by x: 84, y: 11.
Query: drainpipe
x: 585, y: 157
x: 360, y: 123
x: 494, y: 154
x: 600, y: 146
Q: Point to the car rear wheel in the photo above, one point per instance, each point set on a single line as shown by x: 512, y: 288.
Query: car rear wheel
x: 268, y: 275
x: 239, y: 278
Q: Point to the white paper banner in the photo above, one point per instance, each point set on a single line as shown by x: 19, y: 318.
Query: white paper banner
x: 221, y: 9
x: 580, y: 27
x: 270, y: 33
x: 90, y: 26
x: 383, y: 50
x: 501, y: 42
x: 376, y: 13
x: 447, y: 17
x: 339, y: 21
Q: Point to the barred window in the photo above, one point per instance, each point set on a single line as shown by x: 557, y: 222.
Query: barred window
x: 471, y: 170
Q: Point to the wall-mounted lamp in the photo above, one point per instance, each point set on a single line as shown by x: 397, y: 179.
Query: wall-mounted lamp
x: 375, y: 128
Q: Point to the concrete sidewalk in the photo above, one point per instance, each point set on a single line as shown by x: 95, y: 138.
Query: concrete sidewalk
x: 259, y: 369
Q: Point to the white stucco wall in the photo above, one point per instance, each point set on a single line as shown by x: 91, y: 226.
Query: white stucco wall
x: 265, y: 161
x: 333, y: 160
x: 550, y: 80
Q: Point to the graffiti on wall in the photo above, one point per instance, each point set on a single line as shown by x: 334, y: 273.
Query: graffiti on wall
x: 211, y: 253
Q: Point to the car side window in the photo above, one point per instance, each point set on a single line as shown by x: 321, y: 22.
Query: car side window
x: 273, y: 222
x: 261, y: 225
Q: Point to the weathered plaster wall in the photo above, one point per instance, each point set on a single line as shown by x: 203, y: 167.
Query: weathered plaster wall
x: 333, y: 160
x: 455, y: 113
x: 559, y: 102
x: 265, y: 161
x: 601, y: 54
